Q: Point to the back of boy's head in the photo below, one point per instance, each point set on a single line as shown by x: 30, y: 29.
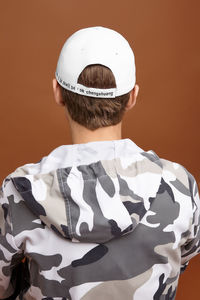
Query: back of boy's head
x: 96, y: 72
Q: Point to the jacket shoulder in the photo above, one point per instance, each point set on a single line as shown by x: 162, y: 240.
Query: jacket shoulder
x: 172, y: 171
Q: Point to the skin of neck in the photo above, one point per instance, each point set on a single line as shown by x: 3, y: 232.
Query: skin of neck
x: 80, y: 134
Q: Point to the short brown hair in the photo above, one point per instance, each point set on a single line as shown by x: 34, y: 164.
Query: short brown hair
x: 92, y: 112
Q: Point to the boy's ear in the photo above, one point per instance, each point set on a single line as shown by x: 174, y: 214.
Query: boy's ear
x: 133, y: 97
x: 57, y: 92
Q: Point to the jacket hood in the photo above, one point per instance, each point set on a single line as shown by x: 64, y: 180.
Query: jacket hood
x: 91, y: 192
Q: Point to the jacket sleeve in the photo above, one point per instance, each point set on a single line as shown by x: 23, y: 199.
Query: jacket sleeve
x: 192, y: 246
x: 10, y: 254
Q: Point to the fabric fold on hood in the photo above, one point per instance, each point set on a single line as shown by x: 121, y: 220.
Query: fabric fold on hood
x: 91, y: 192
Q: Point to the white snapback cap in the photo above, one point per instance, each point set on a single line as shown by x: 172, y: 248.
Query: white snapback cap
x: 96, y: 45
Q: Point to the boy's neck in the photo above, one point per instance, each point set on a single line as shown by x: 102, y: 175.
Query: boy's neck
x: 80, y: 134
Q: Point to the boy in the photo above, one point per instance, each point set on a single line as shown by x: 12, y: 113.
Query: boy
x: 100, y: 218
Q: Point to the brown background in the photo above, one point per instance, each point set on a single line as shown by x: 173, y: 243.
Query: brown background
x: 165, y: 38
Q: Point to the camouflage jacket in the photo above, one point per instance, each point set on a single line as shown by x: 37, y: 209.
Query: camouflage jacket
x: 101, y: 220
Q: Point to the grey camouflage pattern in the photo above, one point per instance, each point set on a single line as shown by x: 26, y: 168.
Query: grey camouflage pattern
x: 91, y: 231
